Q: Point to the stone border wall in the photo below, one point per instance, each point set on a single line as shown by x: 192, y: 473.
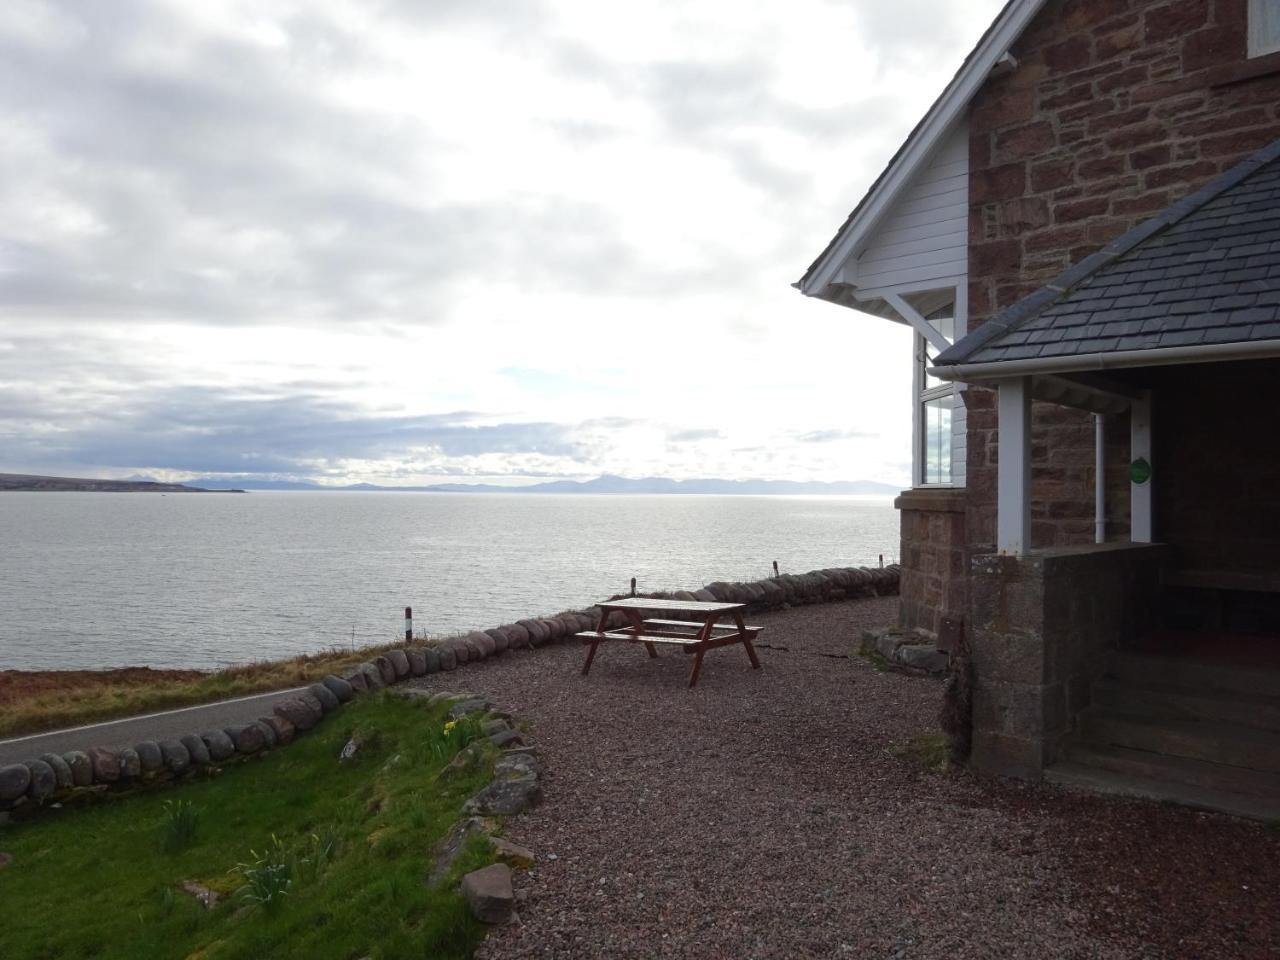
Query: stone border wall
x: 81, y: 774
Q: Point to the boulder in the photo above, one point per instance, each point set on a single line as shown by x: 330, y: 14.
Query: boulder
x: 399, y: 662
x: 284, y: 730
x: 465, y: 708
x: 176, y: 758
x: 339, y: 688
x: 489, y: 893
x: 517, y: 764
x: 327, y: 699
x: 357, y: 680
x: 683, y: 595
x: 268, y: 732
x: 247, y: 737
x: 490, y: 727
x: 505, y: 738
x: 501, y: 642
x: 504, y: 798
x: 461, y: 652
x: 417, y: 661
x: 448, y: 659
x: 81, y: 767
x: 303, y: 714
x: 512, y: 854
x: 220, y: 743
x: 923, y: 656
x: 130, y: 763
x: 705, y: 596
x: 106, y: 764
x: 149, y: 756
x: 62, y: 772
x: 372, y: 676
x: 474, y: 650
x: 15, y: 779
x: 197, y: 751
x: 538, y: 633
x: 519, y: 635
x: 386, y: 669
x: 486, y: 644
x: 432, y: 656
x: 555, y: 628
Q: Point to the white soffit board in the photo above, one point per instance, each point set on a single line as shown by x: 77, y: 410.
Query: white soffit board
x: 914, y: 155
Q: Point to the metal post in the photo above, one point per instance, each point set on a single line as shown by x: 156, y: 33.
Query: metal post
x: 775, y: 568
x: 408, y: 623
x: 633, y: 586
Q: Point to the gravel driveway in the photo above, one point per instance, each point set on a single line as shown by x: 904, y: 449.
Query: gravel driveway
x: 764, y: 814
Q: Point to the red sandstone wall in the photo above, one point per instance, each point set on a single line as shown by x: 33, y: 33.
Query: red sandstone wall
x: 1117, y: 109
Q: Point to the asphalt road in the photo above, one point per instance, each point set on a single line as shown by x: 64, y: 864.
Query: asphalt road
x: 165, y: 725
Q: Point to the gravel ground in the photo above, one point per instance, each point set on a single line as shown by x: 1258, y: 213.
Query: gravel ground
x: 766, y: 814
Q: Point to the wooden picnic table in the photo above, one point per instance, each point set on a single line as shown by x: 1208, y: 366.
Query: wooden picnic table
x: 696, y: 632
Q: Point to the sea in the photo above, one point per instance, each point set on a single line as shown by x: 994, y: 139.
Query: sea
x: 98, y: 580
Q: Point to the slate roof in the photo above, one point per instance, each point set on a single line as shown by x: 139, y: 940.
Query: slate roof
x: 1205, y: 271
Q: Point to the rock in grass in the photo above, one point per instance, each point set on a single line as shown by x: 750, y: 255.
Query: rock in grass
x: 220, y: 745
x: 432, y: 656
x: 105, y: 763
x: 386, y: 669
x: 339, y: 688
x: 400, y: 661
x: 449, y: 848
x: 62, y: 772
x: 417, y: 661
x: 327, y: 699
x: 284, y: 730
x: 81, y: 768
x: 503, y: 798
x: 465, y: 708
x: 489, y: 893
x: 246, y: 737
x: 15, y: 778
x: 506, y: 738
x: 299, y: 712
x: 490, y: 727
x: 130, y: 763
x: 448, y: 659
x: 197, y: 751
x: 512, y: 854
x: 176, y: 758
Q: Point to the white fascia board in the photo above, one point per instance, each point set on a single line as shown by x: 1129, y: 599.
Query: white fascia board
x: 942, y: 116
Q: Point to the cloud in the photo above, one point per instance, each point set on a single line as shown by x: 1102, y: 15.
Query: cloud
x: 694, y: 436
x: 831, y: 436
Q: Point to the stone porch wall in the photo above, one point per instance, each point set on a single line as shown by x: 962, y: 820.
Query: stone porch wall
x: 932, y: 584
x: 1040, y: 628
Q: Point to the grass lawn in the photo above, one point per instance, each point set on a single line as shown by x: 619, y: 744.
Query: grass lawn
x: 353, y: 838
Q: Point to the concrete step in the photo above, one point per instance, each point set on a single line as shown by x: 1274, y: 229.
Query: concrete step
x: 1162, y: 701
x: 1074, y: 774
x: 1183, y: 770
x: 1211, y: 741
x: 1145, y: 669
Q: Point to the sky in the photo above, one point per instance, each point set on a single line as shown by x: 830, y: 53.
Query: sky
x: 489, y: 240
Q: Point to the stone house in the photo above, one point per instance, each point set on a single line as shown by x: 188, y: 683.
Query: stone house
x: 1083, y: 233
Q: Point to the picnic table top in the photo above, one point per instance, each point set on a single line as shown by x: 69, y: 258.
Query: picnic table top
x: 688, y: 606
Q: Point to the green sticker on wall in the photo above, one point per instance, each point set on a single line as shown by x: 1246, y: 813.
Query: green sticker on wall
x: 1140, y: 470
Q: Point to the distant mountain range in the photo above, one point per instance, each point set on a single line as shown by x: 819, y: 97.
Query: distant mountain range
x: 24, y: 481
x: 605, y: 484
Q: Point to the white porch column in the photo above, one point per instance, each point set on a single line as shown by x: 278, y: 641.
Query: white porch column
x: 1141, y: 494
x: 1013, y: 490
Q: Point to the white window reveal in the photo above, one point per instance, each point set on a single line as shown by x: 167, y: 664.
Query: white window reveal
x: 940, y: 417
x: 1264, y: 27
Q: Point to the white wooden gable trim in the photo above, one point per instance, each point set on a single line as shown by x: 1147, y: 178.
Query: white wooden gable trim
x: 916, y: 153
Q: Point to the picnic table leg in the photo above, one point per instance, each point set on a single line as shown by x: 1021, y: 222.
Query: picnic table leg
x: 637, y: 621
x: 746, y: 641
x: 591, y: 655
x: 697, y: 668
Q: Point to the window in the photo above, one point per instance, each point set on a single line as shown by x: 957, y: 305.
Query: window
x: 936, y: 417
x: 1264, y: 27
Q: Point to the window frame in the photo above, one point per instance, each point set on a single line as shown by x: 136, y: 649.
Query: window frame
x: 1258, y: 45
